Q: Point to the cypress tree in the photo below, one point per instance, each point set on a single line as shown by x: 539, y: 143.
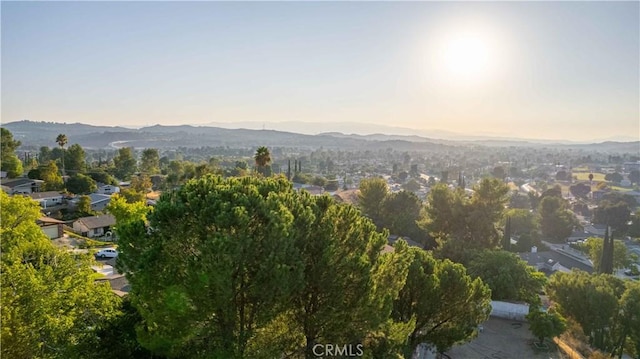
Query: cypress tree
x: 606, y: 261
x: 289, y: 170
x: 506, y: 240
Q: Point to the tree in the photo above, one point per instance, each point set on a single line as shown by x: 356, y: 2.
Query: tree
x: 84, y: 206
x: 223, y: 244
x: 62, y: 140
x: 506, y: 239
x: 580, y: 190
x: 336, y: 239
x: 150, y: 161
x: 615, y: 213
x: 103, y: 177
x: 263, y: 159
x: 546, y: 324
x: 509, y: 277
x: 125, y: 163
x: 556, y: 222
x: 630, y: 316
x: 594, y: 247
x: 8, y: 159
x: 519, y: 201
x: 74, y: 159
x: 400, y: 211
x: 373, y: 191
x: 412, y: 185
x: 50, y: 301
x: 563, y: 175
x: 593, y: 302
x: 52, y: 179
x: 613, y: 177
x: 522, y: 222
x: 81, y: 184
x: 445, y: 303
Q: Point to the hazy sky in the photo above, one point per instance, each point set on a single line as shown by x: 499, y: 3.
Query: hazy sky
x: 551, y: 70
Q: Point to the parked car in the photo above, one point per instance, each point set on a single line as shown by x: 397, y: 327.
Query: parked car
x: 107, y: 253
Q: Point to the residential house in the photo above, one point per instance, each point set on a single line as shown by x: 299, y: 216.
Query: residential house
x: 553, y: 261
x: 108, y: 189
x: 47, y: 199
x: 99, y: 201
x: 21, y: 185
x: 52, y: 227
x: 94, y: 226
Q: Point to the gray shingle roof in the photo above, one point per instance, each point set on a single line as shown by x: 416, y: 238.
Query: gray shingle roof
x: 103, y: 220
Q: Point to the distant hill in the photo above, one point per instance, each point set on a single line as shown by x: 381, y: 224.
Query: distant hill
x: 44, y: 134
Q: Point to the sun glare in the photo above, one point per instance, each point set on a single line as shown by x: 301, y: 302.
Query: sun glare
x: 464, y: 56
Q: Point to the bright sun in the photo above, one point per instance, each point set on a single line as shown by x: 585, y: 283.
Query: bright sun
x: 466, y: 57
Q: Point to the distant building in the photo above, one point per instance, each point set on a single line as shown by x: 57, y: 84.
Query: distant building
x: 108, y: 189
x: 21, y: 185
x: 94, y: 226
x: 47, y: 199
x: 53, y: 228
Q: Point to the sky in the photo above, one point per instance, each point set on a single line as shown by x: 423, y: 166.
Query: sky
x: 552, y: 70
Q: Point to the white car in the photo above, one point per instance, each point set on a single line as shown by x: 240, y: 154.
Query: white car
x: 107, y: 253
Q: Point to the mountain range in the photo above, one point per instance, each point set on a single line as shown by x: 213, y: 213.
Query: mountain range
x: 37, y: 134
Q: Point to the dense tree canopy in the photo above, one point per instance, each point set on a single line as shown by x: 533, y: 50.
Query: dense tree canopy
x: 150, y: 161
x: 74, y: 159
x: 595, y: 302
x: 556, y: 221
x: 81, y: 184
x: 446, y: 303
x: 509, y: 277
x: 125, y: 163
x: 594, y: 247
x: 9, y: 161
x: 469, y: 223
x: 373, y: 191
x: 50, y: 303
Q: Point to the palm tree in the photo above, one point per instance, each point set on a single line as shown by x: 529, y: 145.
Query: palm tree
x: 263, y: 159
x: 62, y: 141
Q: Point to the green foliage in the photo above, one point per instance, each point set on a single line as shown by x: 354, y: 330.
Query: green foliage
x: 594, y: 246
x: 509, y: 277
x: 556, y: 221
x: 81, y: 184
x: 50, y: 302
x: 471, y: 222
x: 263, y: 159
x: 356, y: 298
x: 150, y: 161
x: 74, y: 159
x: 373, y: 192
x: 594, y: 302
x: 580, y: 190
x: 400, y: 213
x: 125, y: 163
x: 127, y: 212
x: 52, y: 179
x: 546, y: 324
x: 116, y: 337
x: 84, y: 206
x: 219, y: 263
x: 522, y: 222
x: 446, y: 304
x: 8, y: 160
x: 615, y: 212
x: 412, y: 185
x: 102, y: 177
x: 133, y: 196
